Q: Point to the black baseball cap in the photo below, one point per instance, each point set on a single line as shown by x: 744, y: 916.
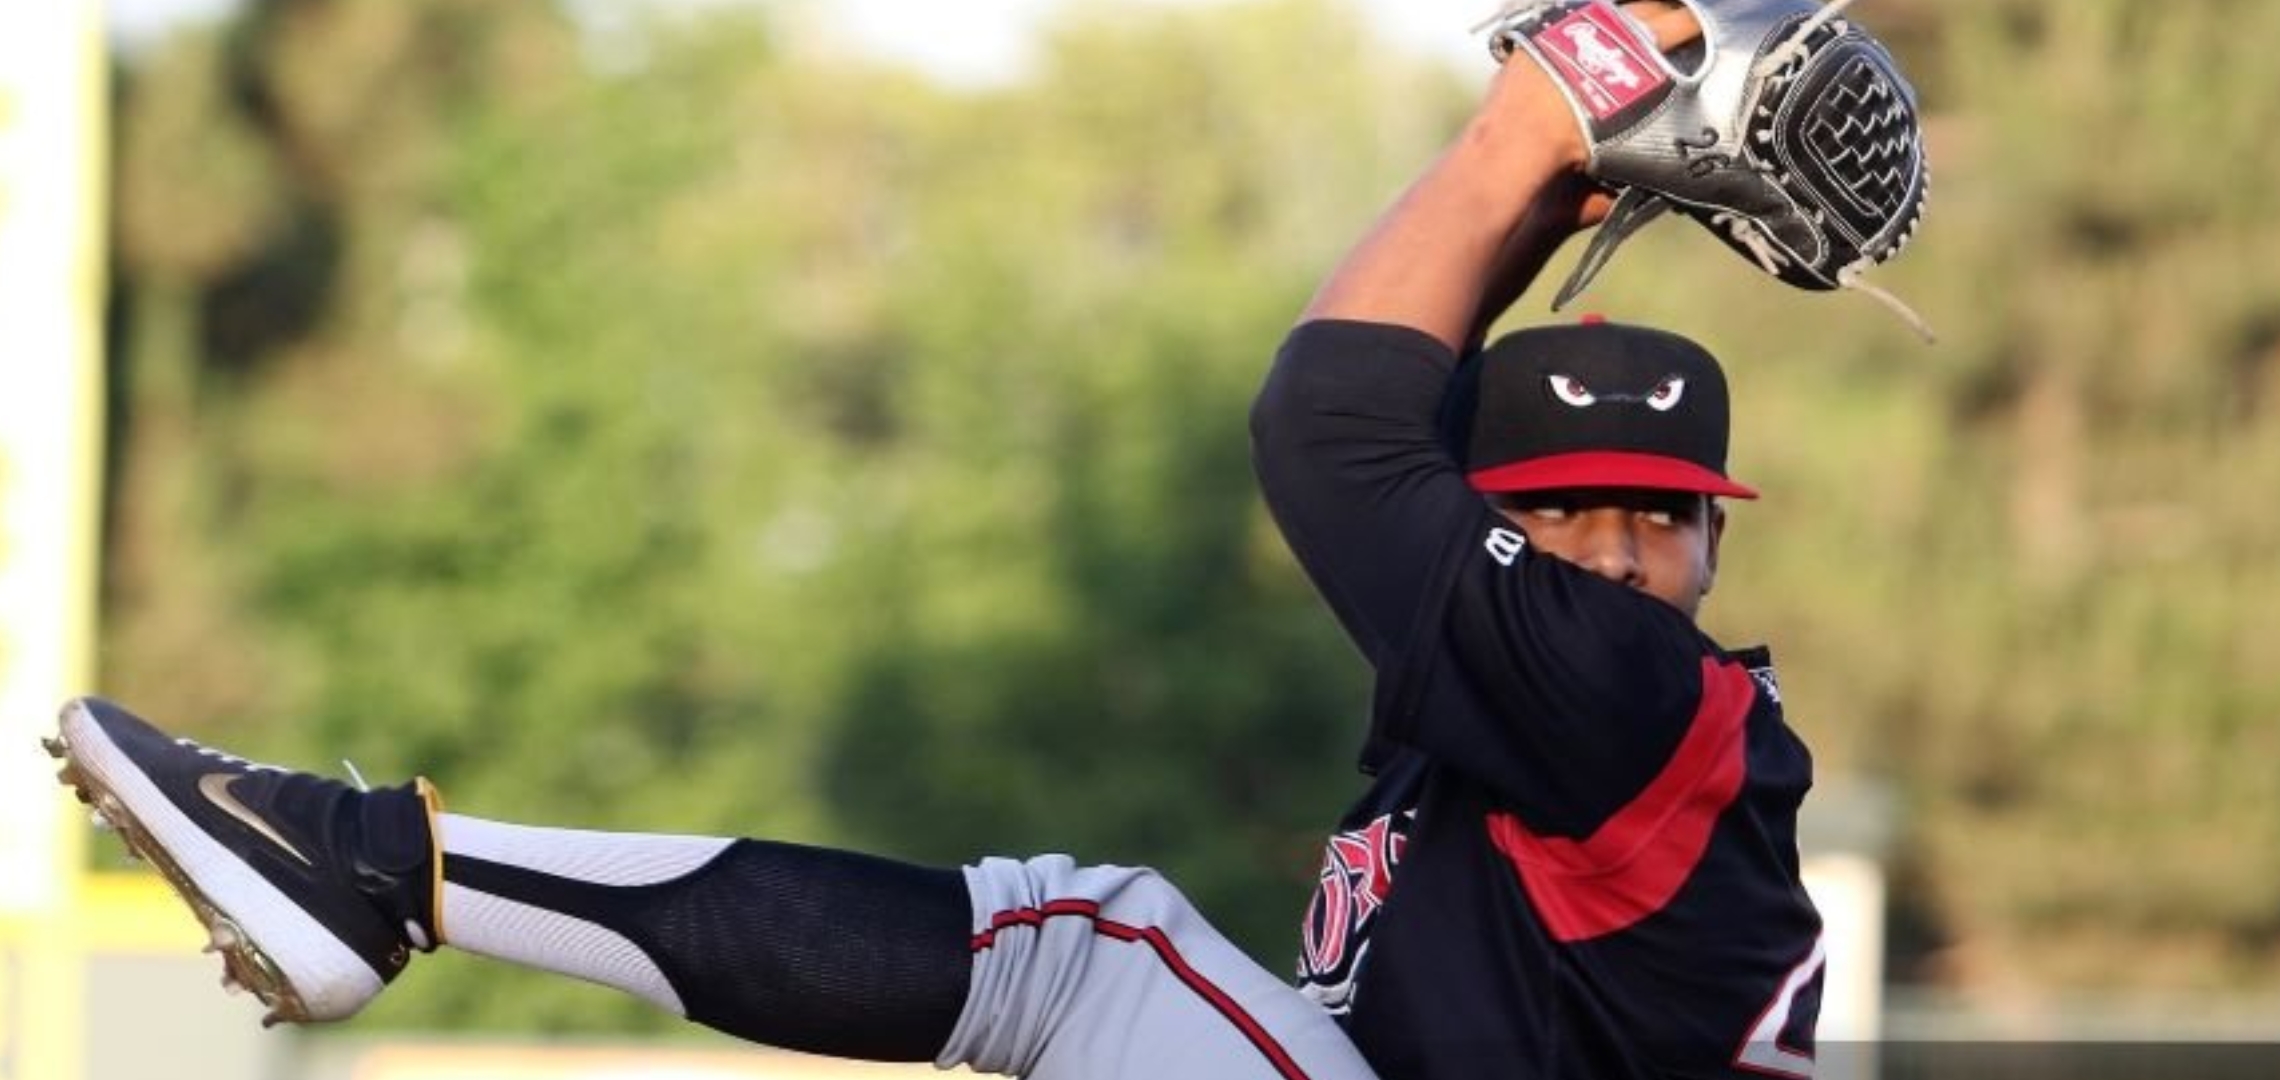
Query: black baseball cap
x: 1593, y: 404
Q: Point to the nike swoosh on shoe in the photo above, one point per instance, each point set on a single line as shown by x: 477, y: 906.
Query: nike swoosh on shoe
x: 216, y: 788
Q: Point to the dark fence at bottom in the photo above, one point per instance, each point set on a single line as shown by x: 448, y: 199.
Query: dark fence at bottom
x: 2069, y: 1060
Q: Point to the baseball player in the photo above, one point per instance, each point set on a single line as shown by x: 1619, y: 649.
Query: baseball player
x: 1576, y: 858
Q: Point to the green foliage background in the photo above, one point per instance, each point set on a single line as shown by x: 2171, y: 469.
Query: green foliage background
x: 686, y: 429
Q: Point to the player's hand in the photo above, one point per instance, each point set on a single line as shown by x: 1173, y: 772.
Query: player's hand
x: 1569, y: 205
x: 1525, y: 93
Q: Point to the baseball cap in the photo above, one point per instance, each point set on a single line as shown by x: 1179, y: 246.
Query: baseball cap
x: 1593, y: 404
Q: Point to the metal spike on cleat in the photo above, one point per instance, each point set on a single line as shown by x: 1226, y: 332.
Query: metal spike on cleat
x: 230, y: 985
x: 55, y: 746
x: 96, y: 818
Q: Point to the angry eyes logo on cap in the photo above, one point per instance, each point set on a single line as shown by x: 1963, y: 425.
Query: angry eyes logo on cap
x: 1663, y: 398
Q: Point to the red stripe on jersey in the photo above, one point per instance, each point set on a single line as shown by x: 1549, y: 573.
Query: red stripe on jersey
x: 1167, y: 954
x: 1637, y: 860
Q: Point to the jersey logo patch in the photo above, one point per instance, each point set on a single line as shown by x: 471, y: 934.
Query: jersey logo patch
x: 1767, y: 683
x: 1354, y: 884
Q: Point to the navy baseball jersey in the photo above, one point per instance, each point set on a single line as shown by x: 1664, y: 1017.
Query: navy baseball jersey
x: 1578, y: 856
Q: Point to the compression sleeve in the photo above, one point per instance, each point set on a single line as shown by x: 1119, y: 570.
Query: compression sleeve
x: 806, y: 948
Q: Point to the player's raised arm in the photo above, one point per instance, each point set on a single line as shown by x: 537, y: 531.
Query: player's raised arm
x: 1470, y: 234
x: 1431, y: 259
x: 1345, y: 441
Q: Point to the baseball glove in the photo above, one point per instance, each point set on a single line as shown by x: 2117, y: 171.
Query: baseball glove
x: 1785, y: 130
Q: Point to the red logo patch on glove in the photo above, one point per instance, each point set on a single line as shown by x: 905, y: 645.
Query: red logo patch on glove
x: 1601, y: 60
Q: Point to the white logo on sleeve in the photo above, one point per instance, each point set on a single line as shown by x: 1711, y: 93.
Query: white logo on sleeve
x: 1504, y: 545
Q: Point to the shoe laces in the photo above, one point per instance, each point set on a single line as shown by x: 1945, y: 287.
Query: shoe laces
x: 226, y: 757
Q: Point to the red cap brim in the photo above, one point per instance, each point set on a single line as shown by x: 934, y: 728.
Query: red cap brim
x: 1606, y: 469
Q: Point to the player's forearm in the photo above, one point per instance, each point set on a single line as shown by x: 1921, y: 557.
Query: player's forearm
x: 1460, y: 236
x: 1526, y: 251
x: 1430, y: 262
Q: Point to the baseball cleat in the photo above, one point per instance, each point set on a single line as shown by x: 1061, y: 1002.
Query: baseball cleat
x: 314, y: 892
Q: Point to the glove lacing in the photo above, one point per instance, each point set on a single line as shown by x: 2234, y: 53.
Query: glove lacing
x: 1769, y: 258
x: 1795, y: 42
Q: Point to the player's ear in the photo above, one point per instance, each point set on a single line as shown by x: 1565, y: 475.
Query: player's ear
x: 1714, y: 530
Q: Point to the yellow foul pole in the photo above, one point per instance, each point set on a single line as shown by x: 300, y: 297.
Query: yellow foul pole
x: 52, y: 120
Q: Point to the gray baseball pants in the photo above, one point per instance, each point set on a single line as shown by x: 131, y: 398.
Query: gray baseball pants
x: 1108, y: 973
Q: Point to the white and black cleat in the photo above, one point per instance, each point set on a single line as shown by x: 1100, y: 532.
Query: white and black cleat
x: 310, y: 890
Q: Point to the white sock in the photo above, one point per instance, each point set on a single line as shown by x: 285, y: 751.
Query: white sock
x: 523, y: 932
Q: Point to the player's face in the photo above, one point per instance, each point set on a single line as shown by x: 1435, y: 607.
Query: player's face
x: 1662, y: 543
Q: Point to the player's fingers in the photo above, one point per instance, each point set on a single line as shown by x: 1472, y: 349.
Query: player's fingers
x: 1671, y: 22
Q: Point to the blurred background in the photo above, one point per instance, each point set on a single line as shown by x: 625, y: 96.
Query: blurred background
x: 825, y: 421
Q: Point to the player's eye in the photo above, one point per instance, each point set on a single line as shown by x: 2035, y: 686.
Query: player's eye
x: 1665, y: 397
x: 1549, y: 511
x: 1670, y: 512
x: 1570, y: 389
